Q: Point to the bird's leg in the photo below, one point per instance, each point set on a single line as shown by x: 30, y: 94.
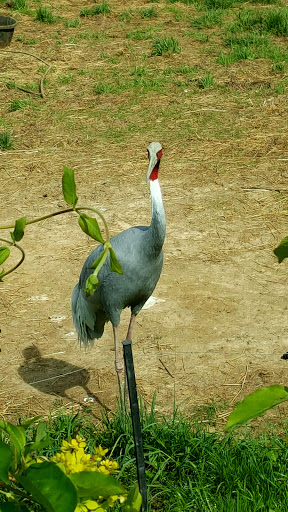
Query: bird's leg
x: 130, y: 328
x: 118, y: 363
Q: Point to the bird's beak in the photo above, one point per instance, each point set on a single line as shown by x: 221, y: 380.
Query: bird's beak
x: 153, y: 159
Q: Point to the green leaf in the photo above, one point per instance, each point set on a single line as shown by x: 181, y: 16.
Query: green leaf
x: 37, y: 446
x: 134, y: 500
x: 92, y: 484
x: 41, y: 431
x: 13, y: 506
x: 114, y: 263
x: 17, y: 438
x: 30, y: 422
x: 50, y: 487
x: 69, y: 186
x: 99, y: 260
x: 18, y: 232
x: 92, y: 283
x: 256, y: 404
x: 90, y: 226
x: 6, y: 456
x: 282, y: 250
x: 4, y: 254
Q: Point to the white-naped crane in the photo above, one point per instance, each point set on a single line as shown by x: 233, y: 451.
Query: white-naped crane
x: 139, y: 251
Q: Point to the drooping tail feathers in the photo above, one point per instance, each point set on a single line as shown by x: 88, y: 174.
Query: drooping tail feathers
x: 89, y: 323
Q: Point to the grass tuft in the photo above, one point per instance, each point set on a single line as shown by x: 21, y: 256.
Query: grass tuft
x: 19, y: 5
x: 206, y: 81
x: 187, y: 467
x: 208, y: 20
x: 149, y: 13
x: 18, y: 104
x: 45, y: 15
x: 165, y: 45
x: 73, y: 23
x: 6, y: 141
x: 103, y: 8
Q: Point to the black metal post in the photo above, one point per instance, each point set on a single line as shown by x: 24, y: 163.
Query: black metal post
x: 137, y: 433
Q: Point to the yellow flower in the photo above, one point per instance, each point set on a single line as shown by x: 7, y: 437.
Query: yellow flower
x: 91, y: 505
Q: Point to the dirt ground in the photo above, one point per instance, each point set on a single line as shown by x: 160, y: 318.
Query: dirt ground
x: 219, y: 326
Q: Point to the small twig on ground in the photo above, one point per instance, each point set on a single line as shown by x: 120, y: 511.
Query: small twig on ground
x: 243, y: 379
x: 166, y: 369
x: 249, y: 189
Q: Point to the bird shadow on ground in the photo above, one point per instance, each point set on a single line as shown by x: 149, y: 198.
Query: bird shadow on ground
x: 54, y: 376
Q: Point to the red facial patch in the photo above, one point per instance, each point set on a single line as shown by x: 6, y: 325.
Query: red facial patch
x: 154, y: 174
x: 160, y: 153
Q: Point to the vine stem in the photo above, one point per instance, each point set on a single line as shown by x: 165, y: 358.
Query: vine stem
x: 19, y: 262
x: 67, y: 210
x: 17, y: 492
x: 50, y: 215
x: 101, y: 217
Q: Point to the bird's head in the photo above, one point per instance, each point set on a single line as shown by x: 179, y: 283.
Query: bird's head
x: 155, y: 152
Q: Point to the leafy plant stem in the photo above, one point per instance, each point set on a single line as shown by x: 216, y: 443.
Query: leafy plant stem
x: 19, y: 262
x: 8, y: 487
x: 88, y: 208
x: 67, y: 210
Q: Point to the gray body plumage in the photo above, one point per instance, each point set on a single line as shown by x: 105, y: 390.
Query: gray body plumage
x: 139, y: 251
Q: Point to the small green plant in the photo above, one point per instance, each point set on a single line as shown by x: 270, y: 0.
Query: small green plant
x: 165, y: 45
x: 103, y: 88
x: 220, y: 4
x: 148, y: 13
x: 6, y: 141
x: 206, y: 81
x: 65, y: 79
x: 208, y: 20
x: 141, y: 34
x: 45, y: 15
x: 73, y: 23
x: 126, y: 15
x: 19, y: 4
x: 103, y: 8
x: 72, y: 480
x: 18, y: 104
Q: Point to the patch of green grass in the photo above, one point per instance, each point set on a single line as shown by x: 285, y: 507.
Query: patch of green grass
x: 251, y: 46
x: 181, y: 70
x: 45, y: 15
x: 276, y: 22
x: 177, y: 13
x: 208, y: 20
x: 103, y: 88
x: 65, y: 79
x: 141, y: 34
x: 207, y: 80
x: 220, y: 4
x: 6, y: 141
x: 18, y: 104
x: 165, y: 45
x: 271, y: 21
x: 149, y: 12
x: 126, y: 15
x: 187, y: 467
x: 19, y: 5
x: 73, y: 23
x: 103, y: 8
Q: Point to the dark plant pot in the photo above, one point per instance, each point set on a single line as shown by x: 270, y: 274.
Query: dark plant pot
x: 7, y: 26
